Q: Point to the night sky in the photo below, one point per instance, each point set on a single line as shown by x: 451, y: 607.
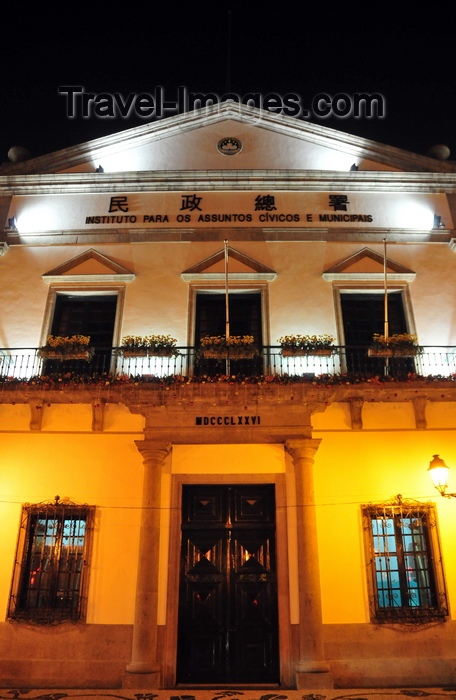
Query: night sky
x: 284, y: 49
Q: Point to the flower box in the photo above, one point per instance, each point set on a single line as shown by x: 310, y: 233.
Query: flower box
x: 162, y: 352
x: 233, y: 353
x: 235, y: 347
x: 62, y: 348
x: 136, y: 352
x: 396, y: 345
x: 62, y: 356
x: 301, y: 352
x: 405, y: 352
x: 148, y: 345
x: 306, y: 345
x: 151, y: 352
x: 392, y: 352
x: 379, y: 352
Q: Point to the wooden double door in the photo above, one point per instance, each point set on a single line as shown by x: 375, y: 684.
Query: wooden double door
x: 228, y: 618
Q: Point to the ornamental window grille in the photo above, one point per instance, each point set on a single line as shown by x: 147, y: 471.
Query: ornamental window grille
x: 404, y: 559
x: 51, y: 569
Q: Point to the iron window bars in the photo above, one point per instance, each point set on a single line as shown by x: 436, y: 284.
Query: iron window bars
x: 404, y: 562
x: 51, y: 568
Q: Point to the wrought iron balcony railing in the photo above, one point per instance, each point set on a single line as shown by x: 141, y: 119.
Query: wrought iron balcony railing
x: 26, y: 365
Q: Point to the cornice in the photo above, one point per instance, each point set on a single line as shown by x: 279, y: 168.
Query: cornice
x: 367, y: 276
x: 200, y: 118
x: 242, y: 234
x: 222, y: 180
x: 178, y: 397
x: 172, y: 415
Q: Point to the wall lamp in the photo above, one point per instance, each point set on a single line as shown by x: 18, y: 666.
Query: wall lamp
x: 438, y: 472
x: 438, y: 223
x: 11, y: 224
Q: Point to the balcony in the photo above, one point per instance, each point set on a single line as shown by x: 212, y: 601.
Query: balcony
x: 178, y: 393
x: 346, y: 365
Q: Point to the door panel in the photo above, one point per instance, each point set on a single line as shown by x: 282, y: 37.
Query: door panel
x: 228, y: 623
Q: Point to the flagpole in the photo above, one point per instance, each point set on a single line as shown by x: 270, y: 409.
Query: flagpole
x: 385, y: 304
x: 385, y: 274
x: 227, y: 305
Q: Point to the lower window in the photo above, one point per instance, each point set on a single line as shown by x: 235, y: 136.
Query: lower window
x: 405, y: 564
x: 51, y: 569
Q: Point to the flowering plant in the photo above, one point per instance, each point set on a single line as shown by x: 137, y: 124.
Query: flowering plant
x: 233, y: 346
x: 306, y: 343
x: 402, y: 341
x: 67, y: 343
x: 223, y: 341
x: 67, y: 347
x: 150, y: 343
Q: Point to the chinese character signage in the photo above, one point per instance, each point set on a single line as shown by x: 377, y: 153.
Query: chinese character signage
x: 210, y: 209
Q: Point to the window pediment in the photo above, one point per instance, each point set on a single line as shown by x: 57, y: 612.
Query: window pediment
x: 90, y: 266
x: 367, y: 266
x: 241, y: 268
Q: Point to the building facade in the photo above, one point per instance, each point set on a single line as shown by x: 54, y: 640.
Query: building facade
x: 202, y: 516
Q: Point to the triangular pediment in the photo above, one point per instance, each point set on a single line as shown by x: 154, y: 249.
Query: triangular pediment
x: 241, y: 267
x: 90, y: 266
x: 228, y: 136
x: 368, y: 265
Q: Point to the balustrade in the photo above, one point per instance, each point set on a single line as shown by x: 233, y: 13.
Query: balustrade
x: 26, y: 365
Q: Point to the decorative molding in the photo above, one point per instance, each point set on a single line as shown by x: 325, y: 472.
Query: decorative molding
x: 395, y: 271
x: 230, y: 181
x: 419, y: 407
x: 367, y: 277
x: 233, y: 277
x: 36, y: 413
x: 53, y: 279
x: 198, y: 272
x: 362, y: 148
x: 356, y: 413
x: 98, y: 413
x: 314, y: 681
x: 115, y: 272
x: 229, y: 146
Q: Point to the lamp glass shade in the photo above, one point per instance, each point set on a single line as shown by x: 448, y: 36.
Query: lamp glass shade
x: 438, y: 472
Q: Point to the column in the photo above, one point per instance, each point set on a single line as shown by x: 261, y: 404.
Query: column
x: 144, y: 646
x: 312, y: 671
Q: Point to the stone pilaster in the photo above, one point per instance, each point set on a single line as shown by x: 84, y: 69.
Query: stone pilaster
x: 144, y: 669
x: 312, y: 671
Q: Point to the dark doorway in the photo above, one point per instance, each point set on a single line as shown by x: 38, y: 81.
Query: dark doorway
x: 363, y: 315
x: 92, y: 315
x: 245, y: 319
x: 228, y: 619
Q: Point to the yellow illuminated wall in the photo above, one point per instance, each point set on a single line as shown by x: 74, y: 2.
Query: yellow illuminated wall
x: 386, y: 458
x: 375, y: 464
x: 67, y: 459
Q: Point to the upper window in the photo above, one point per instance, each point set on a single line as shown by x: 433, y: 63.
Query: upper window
x: 406, y: 575
x: 51, y: 573
x: 245, y: 318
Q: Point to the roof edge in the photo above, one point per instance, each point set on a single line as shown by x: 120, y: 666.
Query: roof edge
x: 325, y: 136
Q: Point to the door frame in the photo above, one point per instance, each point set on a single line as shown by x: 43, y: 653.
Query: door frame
x: 261, y: 288
x: 82, y: 290
x: 169, y: 658
x: 340, y: 288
